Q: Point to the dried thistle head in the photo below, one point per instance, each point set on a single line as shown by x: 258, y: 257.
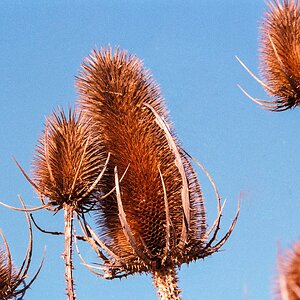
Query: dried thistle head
x: 289, y: 274
x: 12, y: 278
x: 280, y: 54
x: 68, y: 161
x: 155, y: 220
x: 8, y: 277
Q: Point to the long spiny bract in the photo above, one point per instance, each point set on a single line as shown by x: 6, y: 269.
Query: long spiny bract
x: 288, y: 281
x: 155, y: 220
x: 280, y: 54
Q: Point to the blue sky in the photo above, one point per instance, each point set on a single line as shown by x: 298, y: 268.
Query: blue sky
x: 189, y: 46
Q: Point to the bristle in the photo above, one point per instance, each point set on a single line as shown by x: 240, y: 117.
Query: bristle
x: 67, y: 160
x: 280, y: 53
x: 115, y: 90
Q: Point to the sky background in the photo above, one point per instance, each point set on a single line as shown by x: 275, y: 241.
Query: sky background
x: 190, y: 48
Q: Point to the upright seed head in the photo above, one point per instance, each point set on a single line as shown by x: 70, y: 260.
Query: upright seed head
x: 280, y: 53
x: 67, y: 162
x: 156, y: 219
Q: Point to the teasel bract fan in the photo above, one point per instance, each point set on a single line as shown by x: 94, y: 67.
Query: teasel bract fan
x: 155, y: 220
x: 66, y: 172
x: 280, y: 55
x: 288, y: 282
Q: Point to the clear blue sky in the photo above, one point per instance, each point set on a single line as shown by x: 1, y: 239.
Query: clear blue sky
x: 189, y: 46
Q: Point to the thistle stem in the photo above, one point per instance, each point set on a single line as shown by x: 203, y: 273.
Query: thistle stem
x: 68, y: 215
x: 166, y: 283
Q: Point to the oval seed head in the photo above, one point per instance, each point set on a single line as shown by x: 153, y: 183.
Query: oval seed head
x: 280, y: 53
x: 158, y: 216
x: 68, y: 160
x: 289, y: 274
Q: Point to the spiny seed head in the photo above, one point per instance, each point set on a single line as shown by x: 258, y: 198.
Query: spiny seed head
x: 67, y: 161
x: 280, y: 53
x: 8, y: 277
x: 126, y: 105
x: 12, y: 279
x: 289, y: 274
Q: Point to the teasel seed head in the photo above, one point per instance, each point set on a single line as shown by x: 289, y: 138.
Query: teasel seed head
x: 155, y: 220
x: 288, y: 281
x: 12, y: 278
x: 280, y: 54
x: 115, y: 91
x: 8, y: 275
x: 68, y: 161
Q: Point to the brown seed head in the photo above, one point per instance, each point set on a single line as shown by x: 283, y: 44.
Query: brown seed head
x: 67, y: 161
x: 289, y: 274
x: 280, y: 53
x: 8, y: 276
x: 12, y: 279
x: 156, y: 218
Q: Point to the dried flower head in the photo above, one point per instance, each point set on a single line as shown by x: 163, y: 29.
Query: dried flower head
x: 12, y: 278
x: 9, y: 279
x: 155, y: 221
x: 279, y: 56
x: 289, y: 274
x: 68, y: 162
x: 280, y: 53
x: 67, y: 168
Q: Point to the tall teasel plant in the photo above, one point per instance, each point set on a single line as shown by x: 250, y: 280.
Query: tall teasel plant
x: 288, y: 281
x: 12, y: 278
x: 155, y: 220
x: 66, y: 171
x: 280, y: 55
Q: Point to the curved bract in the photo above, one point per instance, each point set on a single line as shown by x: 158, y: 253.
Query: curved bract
x: 155, y: 220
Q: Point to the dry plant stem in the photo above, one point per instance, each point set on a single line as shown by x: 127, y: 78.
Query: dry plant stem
x: 165, y: 280
x: 69, y: 213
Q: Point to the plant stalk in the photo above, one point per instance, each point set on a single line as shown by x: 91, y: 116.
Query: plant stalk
x: 68, y: 216
x: 166, y: 283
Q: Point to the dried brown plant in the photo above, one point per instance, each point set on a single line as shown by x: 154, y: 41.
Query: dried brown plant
x: 66, y: 171
x: 280, y: 55
x: 12, y: 278
x: 155, y: 220
x: 288, y: 286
